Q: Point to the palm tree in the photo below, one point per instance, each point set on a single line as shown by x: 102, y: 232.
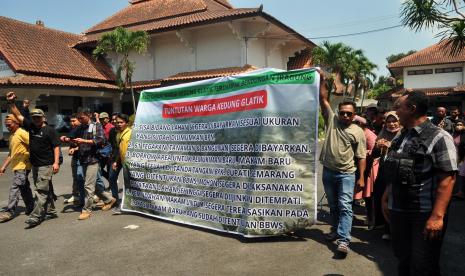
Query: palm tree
x: 332, y: 58
x: 351, y: 64
x: 430, y: 14
x: 123, y: 42
x: 361, y: 73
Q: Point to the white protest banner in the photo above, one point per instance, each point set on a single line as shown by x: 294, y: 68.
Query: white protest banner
x: 234, y: 154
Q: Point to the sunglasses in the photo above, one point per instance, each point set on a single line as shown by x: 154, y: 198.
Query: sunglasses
x: 342, y: 113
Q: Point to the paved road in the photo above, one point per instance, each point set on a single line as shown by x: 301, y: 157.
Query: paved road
x: 102, y: 246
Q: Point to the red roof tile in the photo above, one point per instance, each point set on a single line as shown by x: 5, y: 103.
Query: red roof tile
x: 24, y: 80
x: 208, y: 74
x: 139, y: 85
x: 181, y: 21
x: 300, y: 60
x: 430, y: 92
x: 156, y: 16
x: 224, y: 3
x: 148, y: 11
x: 435, y: 54
x: 33, y: 49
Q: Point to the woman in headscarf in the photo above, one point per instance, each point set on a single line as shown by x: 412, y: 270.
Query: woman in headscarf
x: 390, y: 131
x: 459, y: 141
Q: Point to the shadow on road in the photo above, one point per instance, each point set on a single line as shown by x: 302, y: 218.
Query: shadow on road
x: 367, y: 243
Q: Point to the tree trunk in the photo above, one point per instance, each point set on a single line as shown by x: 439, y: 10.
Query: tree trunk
x: 133, y: 98
x: 355, y: 84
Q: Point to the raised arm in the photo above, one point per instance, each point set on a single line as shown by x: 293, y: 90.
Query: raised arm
x: 324, y: 91
x: 11, y: 97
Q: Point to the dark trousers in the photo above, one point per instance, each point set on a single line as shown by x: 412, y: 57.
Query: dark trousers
x: 416, y: 255
x: 105, y: 165
x: 378, y: 191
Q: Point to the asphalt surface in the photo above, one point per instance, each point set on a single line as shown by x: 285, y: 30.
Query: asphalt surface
x: 103, y: 245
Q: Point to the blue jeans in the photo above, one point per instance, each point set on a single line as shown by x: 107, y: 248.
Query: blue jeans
x: 113, y: 179
x: 339, y: 189
x: 78, y: 180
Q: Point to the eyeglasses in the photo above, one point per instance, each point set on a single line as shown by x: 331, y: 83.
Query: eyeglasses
x: 342, y: 113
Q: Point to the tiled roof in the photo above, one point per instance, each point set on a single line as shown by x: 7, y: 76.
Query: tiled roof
x: 181, y: 21
x: 431, y: 92
x: 300, y: 60
x: 149, y: 11
x: 155, y: 16
x: 24, y: 80
x: 224, y: 3
x: 192, y: 76
x: 33, y: 49
x: 435, y: 54
x: 140, y: 85
x: 207, y: 74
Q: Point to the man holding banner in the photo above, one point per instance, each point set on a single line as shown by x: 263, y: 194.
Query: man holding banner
x: 343, y: 152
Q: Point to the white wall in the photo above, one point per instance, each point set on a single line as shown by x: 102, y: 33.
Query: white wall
x: 171, y: 56
x: 143, y: 66
x: 433, y: 80
x: 217, y: 47
x: 212, y: 47
x: 277, y: 60
x: 256, y: 53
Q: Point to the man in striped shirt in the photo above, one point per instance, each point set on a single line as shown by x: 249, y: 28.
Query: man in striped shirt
x: 421, y: 166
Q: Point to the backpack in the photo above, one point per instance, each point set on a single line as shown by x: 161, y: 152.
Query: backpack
x: 105, y: 150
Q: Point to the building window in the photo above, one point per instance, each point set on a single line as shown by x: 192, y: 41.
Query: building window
x: 420, y: 72
x: 448, y: 70
x: 3, y: 65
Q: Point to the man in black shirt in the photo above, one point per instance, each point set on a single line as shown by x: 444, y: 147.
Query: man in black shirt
x: 44, y: 157
x: 25, y: 109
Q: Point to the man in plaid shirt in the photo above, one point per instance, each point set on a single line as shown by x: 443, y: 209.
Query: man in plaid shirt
x: 421, y: 166
x: 90, y: 137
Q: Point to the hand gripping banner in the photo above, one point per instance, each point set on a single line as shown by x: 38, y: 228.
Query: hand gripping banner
x: 234, y: 154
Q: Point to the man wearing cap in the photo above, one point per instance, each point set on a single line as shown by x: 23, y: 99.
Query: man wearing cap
x: 104, y: 119
x: 18, y: 157
x: 44, y: 156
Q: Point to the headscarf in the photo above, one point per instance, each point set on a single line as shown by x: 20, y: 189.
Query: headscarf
x: 389, y: 134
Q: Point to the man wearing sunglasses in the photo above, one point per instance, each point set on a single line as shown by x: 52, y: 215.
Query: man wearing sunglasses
x: 343, y: 152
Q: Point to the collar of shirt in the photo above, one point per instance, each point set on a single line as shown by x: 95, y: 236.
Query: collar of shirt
x: 419, y: 128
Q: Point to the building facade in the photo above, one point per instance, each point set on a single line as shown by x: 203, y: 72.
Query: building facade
x: 434, y: 71
x: 189, y: 40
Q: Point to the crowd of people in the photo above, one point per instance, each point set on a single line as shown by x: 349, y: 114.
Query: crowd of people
x: 401, y: 166
x: 97, y: 144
